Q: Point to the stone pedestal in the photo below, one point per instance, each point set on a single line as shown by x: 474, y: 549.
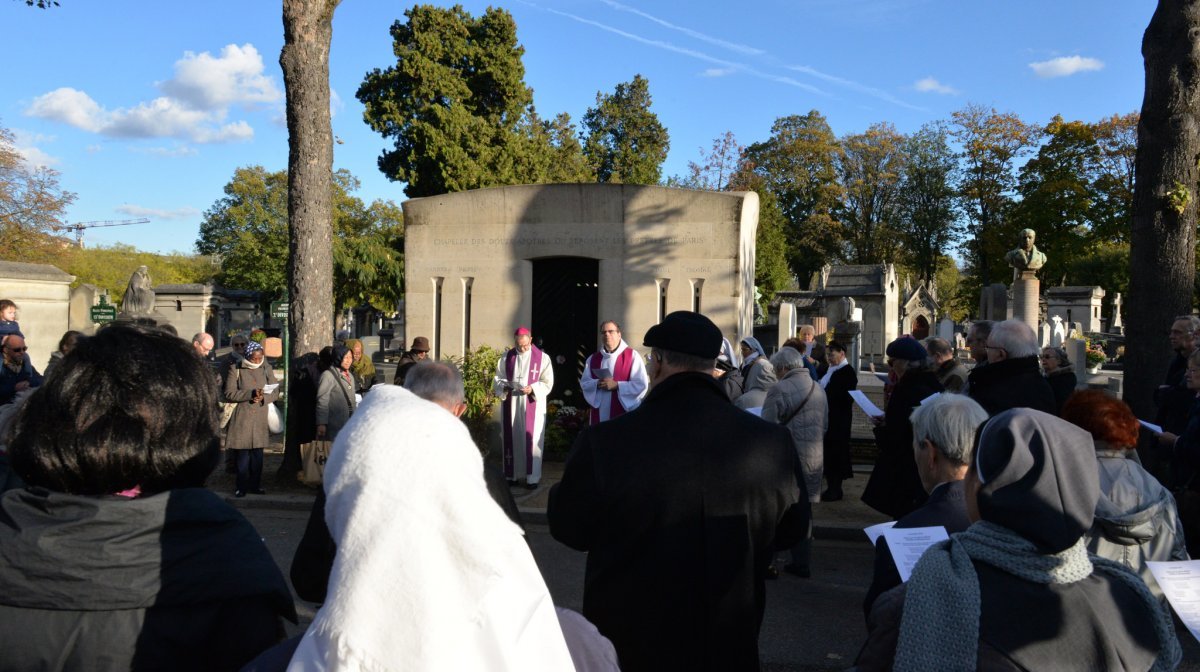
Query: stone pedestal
x: 1025, y: 299
x: 849, y: 334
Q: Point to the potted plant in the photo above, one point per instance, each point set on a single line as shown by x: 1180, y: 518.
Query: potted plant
x: 1095, y: 357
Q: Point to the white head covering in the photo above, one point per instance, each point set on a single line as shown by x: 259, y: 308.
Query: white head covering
x: 430, y: 574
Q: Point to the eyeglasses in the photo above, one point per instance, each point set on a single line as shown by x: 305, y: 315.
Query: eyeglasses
x: 16, y: 349
x: 1192, y: 369
x: 610, y: 331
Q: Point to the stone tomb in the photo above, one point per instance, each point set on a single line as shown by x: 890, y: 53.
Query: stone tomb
x: 42, y: 294
x: 1076, y: 304
x: 560, y: 258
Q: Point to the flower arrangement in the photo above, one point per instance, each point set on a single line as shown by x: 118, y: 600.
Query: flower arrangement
x: 563, y: 424
x: 1095, y: 354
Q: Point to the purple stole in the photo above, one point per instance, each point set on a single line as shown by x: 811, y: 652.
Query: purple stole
x: 621, y: 372
x: 535, y: 374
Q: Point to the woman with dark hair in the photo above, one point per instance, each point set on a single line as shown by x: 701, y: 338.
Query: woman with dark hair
x: 335, y: 394
x: 113, y: 556
x: 1136, y: 518
x: 1017, y: 590
x: 1056, y: 366
x: 894, y: 487
x: 65, y: 345
x: 247, y: 433
x: 837, y: 382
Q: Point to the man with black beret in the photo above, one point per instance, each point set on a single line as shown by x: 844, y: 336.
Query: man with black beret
x: 680, y: 504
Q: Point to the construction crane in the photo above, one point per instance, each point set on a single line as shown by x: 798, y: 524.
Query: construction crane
x: 78, y: 227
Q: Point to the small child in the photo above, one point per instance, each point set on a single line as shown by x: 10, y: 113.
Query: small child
x: 8, y: 318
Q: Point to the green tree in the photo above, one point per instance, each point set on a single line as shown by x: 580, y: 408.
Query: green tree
x: 624, y: 141
x: 718, y: 168
x: 870, y: 167
x: 552, y: 152
x: 453, y: 102
x: 32, y: 206
x: 108, y: 267
x: 990, y: 143
x: 1112, y: 182
x: 1055, y: 188
x: 927, y: 220
x: 797, y: 164
x: 247, y: 231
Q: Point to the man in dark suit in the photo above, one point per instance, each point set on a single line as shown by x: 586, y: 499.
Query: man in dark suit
x: 1013, y: 377
x: 943, y: 438
x: 680, y: 504
x: 837, y: 381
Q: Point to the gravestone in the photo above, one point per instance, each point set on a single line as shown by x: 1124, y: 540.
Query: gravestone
x: 945, y: 330
x: 1044, y: 334
x: 1058, y: 331
x: 787, y: 321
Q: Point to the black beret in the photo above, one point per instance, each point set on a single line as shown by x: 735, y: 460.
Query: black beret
x: 686, y: 332
x: 906, y: 347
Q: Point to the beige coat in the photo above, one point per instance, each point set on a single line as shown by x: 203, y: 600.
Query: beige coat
x: 248, y: 427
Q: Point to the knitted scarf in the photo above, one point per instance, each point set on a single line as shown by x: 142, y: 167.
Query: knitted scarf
x: 364, y: 368
x: 940, y: 626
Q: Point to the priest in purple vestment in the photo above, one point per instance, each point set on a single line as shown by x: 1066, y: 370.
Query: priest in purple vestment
x: 524, y: 378
x: 614, y: 380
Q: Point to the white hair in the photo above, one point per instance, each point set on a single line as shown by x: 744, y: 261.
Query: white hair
x: 1016, y: 338
x: 786, y: 359
x: 949, y: 423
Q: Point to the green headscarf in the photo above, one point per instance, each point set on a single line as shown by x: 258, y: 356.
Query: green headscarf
x: 364, y: 368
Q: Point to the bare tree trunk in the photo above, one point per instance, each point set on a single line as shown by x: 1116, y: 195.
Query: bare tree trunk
x: 308, y: 30
x: 1162, y: 250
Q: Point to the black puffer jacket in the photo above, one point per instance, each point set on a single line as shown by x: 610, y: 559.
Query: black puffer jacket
x: 1011, y: 383
x: 175, y: 581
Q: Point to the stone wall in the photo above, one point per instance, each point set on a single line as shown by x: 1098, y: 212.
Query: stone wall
x: 487, y: 240
x: 42, y: 293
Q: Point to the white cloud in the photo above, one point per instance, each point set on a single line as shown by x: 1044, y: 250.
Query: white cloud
x: 167, y: 152
x: 205, y: 82
x: 25, y: 143
x: 1064, y: 66
x: 160, y: 118
x: 157, y: 213
x: 195, y: 105
x: 718, y: 72
x: 931, y: 85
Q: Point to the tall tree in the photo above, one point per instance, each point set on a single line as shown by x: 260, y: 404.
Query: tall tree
x: 870, y: 167
x: 1112, y: 181
x: 32, y: 206
x: 927, y: 217
x: 453, y: 102
x: 990, y: 145
x: 1162, y: 245
x: 553, y: 152
x: 1056, y: 195
x: 797, y: 164
x: 247, y: 230
x: 718, y: 167
x: 307, y: 32
x: 624, y: 141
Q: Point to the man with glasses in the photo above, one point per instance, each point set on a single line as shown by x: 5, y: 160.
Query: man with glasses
x: 1173, y: 399
x: 1012, y: 377
x: 16, y: 372
x: 614, y: 380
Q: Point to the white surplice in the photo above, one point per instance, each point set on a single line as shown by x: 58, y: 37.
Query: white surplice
x: 541, y: 391
x: 629, y: 392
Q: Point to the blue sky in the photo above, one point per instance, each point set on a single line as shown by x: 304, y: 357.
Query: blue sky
x: 147, y: 108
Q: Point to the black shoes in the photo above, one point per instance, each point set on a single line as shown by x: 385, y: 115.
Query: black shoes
x: 239, y: 493
x: 831, y: 495
x: 796, y: 570
x: 529, y: 486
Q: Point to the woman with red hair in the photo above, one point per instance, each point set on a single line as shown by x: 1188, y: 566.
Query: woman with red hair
x: 1136, y: 518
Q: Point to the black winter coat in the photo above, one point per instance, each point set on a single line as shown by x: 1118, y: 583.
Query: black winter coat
x: 838, y: 465
x: 895, y: 487
x: 174, y: 581
x: 680, y: 504
x: 1011, y: 383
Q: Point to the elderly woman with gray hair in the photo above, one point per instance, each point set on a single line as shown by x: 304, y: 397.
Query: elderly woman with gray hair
x: 798, y: 403
x: 1018, y: 589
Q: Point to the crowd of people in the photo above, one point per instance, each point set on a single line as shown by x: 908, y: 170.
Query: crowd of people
x: 701, y: 466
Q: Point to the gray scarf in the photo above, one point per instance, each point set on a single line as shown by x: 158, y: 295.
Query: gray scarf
x: 940, y: 626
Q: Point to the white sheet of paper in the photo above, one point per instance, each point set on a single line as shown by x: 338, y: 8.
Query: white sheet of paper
x: 908, y: 544
x: 881, y: 376
x: 601, y: 374
x: 267, y: 389
x: 930, y: 398
x: 874, y: 531
x: 1180, y: 582
x: 866, y: 404
x: 757, y: 410
x: 1151, y: 426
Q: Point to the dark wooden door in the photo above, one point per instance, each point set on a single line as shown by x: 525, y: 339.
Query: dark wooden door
x: 565, y: 324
